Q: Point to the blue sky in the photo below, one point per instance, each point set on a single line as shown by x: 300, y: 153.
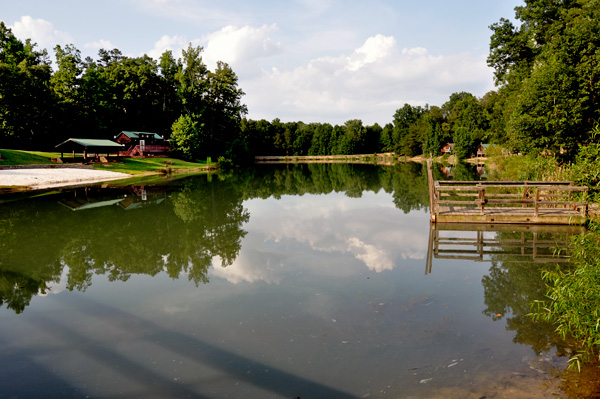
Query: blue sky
x: 297, y: 60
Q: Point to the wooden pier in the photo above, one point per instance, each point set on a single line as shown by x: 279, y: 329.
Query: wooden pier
x: 513, y: 202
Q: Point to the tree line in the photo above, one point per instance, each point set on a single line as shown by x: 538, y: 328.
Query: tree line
x: 547, y: 73
x: 40, y: 107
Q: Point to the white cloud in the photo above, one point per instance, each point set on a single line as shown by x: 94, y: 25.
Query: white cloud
x: 41, y: 32
x: 241, y: 45
x: 375, y: 49
x: 166, y: 42
x: 97, y: 45
x: 369, y: 84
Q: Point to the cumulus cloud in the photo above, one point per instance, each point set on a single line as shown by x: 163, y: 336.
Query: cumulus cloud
x: 375, y: 49
x: 370, y: 83
x: 40, y: 31
x: 165, y: 43
x: 97, y: 45
x: 240, y: 45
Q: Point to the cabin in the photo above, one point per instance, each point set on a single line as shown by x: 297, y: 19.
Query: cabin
x: 90, y: 148
x: 447, y: 149
x: 142, y: 143
x: 481, y: 149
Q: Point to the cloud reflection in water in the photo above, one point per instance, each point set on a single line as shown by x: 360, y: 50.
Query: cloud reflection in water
x: 367, y: 231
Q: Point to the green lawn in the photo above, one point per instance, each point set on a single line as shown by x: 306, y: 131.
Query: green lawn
x: 16, y: 157
x: 125, y: 165
x: 153, y: 165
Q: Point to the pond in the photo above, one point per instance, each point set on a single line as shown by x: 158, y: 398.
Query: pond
x: 289, y: 281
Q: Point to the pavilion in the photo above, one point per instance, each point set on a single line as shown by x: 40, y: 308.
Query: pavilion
x: 89, y: 146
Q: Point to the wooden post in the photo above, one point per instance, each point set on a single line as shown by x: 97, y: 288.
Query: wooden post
x: 430, y: 245
x: 537, y: 199
x: 584, y: 207
x: 432, y: 202
x: 481, y: 196
x: 480, y: 244
x: 525, y: 195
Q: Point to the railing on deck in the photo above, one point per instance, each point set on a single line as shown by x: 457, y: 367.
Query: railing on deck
x: 140, y: 150
x: 491, y: 194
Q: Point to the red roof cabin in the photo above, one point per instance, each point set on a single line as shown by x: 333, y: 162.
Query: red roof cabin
x: 447, y: 149
x: 142, y: 143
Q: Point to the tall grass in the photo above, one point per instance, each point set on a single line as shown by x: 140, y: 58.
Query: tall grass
x: 573, y: 295
x: 573, y: 299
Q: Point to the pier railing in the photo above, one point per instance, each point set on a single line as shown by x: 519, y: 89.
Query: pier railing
x: 532, y: 200
x: 506, y: 202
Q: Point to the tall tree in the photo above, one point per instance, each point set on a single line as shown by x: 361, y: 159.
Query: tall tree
x: 548, y: 68
x: 466, y: 120
x: 225, y: 110
x: 404, y: 137
x: 25, y: 95
x: 193, y: 80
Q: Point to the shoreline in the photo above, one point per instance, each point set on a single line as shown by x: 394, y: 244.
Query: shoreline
x: 41, y: 178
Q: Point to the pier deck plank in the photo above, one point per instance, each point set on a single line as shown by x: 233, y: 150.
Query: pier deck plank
x: 454, y: 214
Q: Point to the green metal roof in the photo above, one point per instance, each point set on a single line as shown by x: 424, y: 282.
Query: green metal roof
x: 92, y: 143
x: 135, y: 135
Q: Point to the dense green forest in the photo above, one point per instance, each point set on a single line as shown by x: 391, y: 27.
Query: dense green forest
x: 547, y: 72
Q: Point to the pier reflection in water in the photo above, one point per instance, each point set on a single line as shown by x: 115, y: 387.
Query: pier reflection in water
x: 497, y: 242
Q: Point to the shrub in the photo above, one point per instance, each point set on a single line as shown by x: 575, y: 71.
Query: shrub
x: 573, y: 302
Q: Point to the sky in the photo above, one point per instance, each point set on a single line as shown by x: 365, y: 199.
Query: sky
x: 326, y: 61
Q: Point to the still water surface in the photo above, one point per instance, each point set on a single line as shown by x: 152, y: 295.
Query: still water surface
x: 277, y: 282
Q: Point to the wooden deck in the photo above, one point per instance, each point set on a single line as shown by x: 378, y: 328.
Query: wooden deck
x: 512, y: 215
x: 515, y: 202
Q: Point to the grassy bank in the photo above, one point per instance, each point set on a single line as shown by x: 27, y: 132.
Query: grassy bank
x: 132, y: 166
x: 136, y: 166
x: 17, y: 157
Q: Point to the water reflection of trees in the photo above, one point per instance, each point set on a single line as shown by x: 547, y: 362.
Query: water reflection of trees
x: 407, y: 182
x: 177, y: 229
x: 179, y: 236
x: 518, y: 255
x: 512, y: 285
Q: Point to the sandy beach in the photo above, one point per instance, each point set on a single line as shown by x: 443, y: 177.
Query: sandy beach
x: 42, y: 178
